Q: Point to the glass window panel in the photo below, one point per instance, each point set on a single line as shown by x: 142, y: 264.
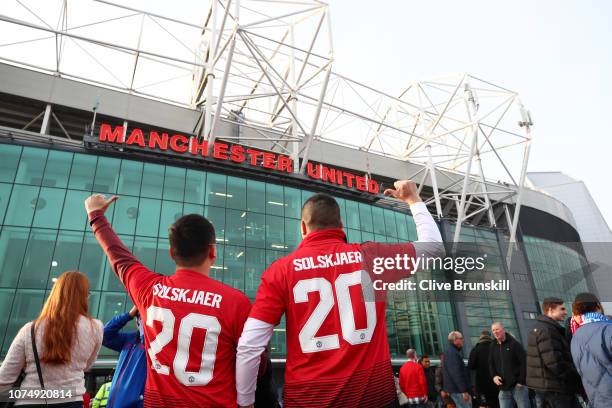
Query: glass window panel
x: 233, y: 262
x: 352, y: 215
x: 216, y: 270
x: 255, y: 230
x: 49, y: 207
x: 275, y: 202
x: 306, y: 195
x: 275, y: 232
x: 145, y: 250
x: 367, y: 236
x: 26, y: 307
x: 293, y: 203
x: 74, y: 216
x: 31, y: 166
x: 6, y: 301
x: 21, y: 206
x: 353, y: 236
x: 130, y: 178
x: 402, y: 229
x: 57, y: 170
x: 107, y: 175
x: 37, y: 259
x: 171, y: 211
x: 390, y: 226
x: 193, y: 209
x: 273, y: 255
x: 236, y: 193
x: 92, y: 261
x: 152, y: 180
x: 378, y: 220
x: 9, y: 160
x: 255, y: 265
x: 195, y: 186
x: 111, y: 305
x: 111, y: 281
x: 380, y: 238
x: 174, y: 184
x: 5, y: 194
x: 148, y: 217
x: 256, y: 196
x: 164, y: 264
x: 215, y: 190
x: 293, y: 236
x: 216, y: 216
x: 94, y: 303
x: 13, y: 243
x: 65, y: 254
x: 125, y: 214
x: 365, y: 217
x: 235, y: 223
x: 342, y: 205
x: 82, y: 172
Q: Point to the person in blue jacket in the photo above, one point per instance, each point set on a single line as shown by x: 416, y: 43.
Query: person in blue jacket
x: 127, y: 387
x: 456, y: 376
x: 592, y: 348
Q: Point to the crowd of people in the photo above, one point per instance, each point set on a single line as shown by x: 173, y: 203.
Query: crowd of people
x: 560, y: 369
x: 200, y: 343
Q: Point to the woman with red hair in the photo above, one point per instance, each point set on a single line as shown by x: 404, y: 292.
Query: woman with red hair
x: 67, y: 342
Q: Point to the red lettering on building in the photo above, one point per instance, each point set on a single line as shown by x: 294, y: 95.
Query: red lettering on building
x: 111, y: 135
x: 313, y: 170
x: 328, y: 174
x: 373, y: 186
x: 220, y: 151
x: 254, y: 156
x: 196, y: 147
x: 237, y: 154
x: 285, y: 164
x: 179, y: 143
x: 158, y: 142
x: 349, y: 179
x: 269, y: 161
x: 360, y: 183
x: 136, y: 137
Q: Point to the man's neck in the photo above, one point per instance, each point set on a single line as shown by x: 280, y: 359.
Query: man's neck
x: 201, y: 269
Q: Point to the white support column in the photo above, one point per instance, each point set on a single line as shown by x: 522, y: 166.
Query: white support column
x: 434, y: 181
x: 210, y: 72
x: 44, y: 128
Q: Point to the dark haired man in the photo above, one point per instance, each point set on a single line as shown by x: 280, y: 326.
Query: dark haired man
x: 192, y: 322
x: 337, y: 347
x: 550, y: 369
x: 592, y: 348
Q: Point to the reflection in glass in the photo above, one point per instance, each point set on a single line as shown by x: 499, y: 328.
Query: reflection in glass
x: 31, y: 166
x: 57, y: 169
x: 9, y: 160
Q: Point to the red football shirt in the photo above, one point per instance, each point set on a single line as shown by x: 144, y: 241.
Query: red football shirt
x: 192, y: 324
x: 337, y: 347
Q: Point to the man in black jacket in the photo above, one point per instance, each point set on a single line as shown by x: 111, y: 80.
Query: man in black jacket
x: 507, y: 366
x: 551, y: 372
x: 486, y: 390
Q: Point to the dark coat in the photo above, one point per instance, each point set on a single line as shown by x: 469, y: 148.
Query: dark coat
x: 455, y: 373
x: 430, y: 376
x: 509, y: 361
x: 549, y: 361
x: 479, y: 362
x: 592, y: 352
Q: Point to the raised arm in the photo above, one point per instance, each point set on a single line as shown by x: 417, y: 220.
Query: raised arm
x: 130, y: 271
x: 114, y: 339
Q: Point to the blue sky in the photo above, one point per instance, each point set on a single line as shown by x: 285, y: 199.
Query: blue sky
x: 556, y: 54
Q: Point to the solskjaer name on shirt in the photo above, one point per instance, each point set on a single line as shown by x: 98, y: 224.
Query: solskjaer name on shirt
x: 199, y: 297
x: 327, y: 260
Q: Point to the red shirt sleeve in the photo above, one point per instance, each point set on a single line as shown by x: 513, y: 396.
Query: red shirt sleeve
x: 270, y: 299
x: 135, y: 276
x: 422, y: 380
x: 403, y: 380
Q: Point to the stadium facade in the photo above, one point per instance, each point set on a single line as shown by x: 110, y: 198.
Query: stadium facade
x: 55, y: 151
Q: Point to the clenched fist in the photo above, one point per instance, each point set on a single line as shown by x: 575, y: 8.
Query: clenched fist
x: 405, y: 190
x: 98, y: 202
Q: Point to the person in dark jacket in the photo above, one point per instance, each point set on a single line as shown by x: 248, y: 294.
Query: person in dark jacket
x: 507, y: 367
x: 444, y: 399
x: 430, y: 377
x: 455, y: 373
x: 127, y: 387
x: 592, y: 348
x: 486, y: 390
x: 550, y: 369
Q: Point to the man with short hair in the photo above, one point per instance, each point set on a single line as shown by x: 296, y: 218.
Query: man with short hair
x: 337, y: 346
x: 192, y: 322
x: 507, y: 367
x: 430, y: 377
x: 456, y: 375
x: 486, y: 391
x: 550, y: 370
x: 412, y: 381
